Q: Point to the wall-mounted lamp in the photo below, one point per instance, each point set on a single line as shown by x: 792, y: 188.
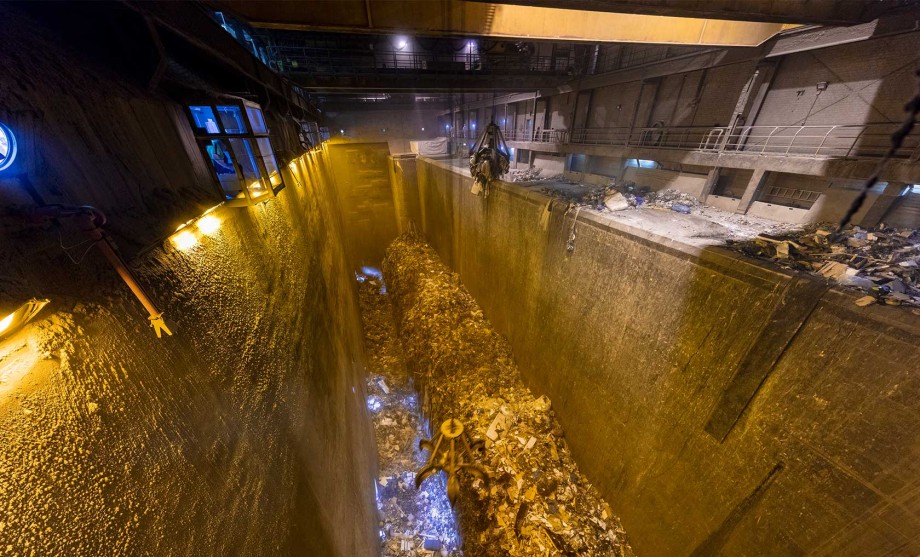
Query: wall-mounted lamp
x: 401, y: 43
x: 821, y: 86
x: 187, y: 235
x: 7, y: 147
x: 22, y: 315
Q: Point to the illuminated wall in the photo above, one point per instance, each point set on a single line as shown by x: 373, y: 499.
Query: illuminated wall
x: 246, y: 431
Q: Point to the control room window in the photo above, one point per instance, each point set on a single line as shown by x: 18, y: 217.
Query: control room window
x: 234, y: 139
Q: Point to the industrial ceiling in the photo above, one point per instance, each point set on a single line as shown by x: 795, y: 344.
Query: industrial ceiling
x: 548, y: 22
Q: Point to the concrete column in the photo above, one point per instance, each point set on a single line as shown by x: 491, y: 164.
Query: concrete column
x: 752, y: 191
x: 711, y: 179
x: 879, y: 207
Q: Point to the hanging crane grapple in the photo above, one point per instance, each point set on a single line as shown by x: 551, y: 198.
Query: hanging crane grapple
x: 489, y: 159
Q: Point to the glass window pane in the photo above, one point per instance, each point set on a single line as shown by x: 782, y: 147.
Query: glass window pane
x: 205, y: 121
x: 256, y: 120
x: 242, y: 150
x: 268, y: 158
x: 222, y: 164
x: 231, y: 119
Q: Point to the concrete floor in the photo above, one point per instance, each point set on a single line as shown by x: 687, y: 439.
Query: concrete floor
x: 705, y: 226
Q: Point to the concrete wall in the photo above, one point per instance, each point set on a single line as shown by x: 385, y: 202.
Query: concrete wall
x: 246, y: 432
x: 361, y: 176
x: 868, y: 81
x: 644, y: 345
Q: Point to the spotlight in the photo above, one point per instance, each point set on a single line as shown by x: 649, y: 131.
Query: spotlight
x: 401, y: 43
x: 342, y: 132
x: 208, y: 224
x: 21, y: 316
x: 184, y: 240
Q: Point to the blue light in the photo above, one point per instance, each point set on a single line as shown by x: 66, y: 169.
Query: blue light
x: 7, y: 147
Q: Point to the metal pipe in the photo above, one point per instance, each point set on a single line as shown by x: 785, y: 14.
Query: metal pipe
x: 91, y: 220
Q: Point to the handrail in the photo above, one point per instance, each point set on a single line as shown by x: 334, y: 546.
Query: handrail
x: 846, y: 141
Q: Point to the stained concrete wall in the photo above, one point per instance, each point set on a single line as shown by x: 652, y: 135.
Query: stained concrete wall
x: 643, y: 344
x: 246, y: 433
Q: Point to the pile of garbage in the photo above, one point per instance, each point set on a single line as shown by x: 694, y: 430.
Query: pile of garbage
x: 883, y: 262
x: 621, y: 195
x: 536, y: 501
x: 528, y: 175
x: 412, y: 523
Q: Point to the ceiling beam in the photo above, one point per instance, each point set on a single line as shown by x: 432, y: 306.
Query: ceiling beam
x: 462, y: 18
x: 824, y: 12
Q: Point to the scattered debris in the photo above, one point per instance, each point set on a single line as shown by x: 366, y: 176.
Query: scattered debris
x: 537, y: 502
x: 616, y: 202
x: 526, y: 175
x: 884, y: 262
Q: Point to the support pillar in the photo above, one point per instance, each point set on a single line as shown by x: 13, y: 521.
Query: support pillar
x: 879, y: 207
x: 752, y: 191
x: 711, y: 179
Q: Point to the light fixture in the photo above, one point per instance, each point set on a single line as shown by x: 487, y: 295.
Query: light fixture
x: 7, y: 147
x: 184, y: 240
x: 401, y: 43
x: 21, y: 316
x: 208, y: 224
x: 342, y: 131
x: 423, y: 129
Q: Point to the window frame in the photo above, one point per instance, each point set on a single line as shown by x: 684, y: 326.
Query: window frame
x: 249, y: 138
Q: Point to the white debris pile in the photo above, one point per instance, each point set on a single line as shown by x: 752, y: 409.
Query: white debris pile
x: 883, y: 262
x: 536, y: 502
x: 525, y: 175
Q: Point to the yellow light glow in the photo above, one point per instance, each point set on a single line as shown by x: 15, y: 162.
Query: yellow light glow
x: 208, y: 224
x: 5, y: 323
x: 184, y: 240
x: 21, y: 316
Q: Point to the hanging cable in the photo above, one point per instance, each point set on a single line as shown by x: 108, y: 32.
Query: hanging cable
x: 897, y: 139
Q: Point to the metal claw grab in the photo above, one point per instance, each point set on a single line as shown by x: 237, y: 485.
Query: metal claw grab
x: 489, y: 159
x: 450, y: 458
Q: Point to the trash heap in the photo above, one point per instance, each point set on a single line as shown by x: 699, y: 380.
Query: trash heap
x: 883, y: 262
x: 618, y: 196
x: 412, y: 523
x: 528, y: 175
x: 536, y: 501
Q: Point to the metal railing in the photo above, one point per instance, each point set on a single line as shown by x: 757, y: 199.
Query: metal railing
x: 842, y: 141
x: 338, y: 61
